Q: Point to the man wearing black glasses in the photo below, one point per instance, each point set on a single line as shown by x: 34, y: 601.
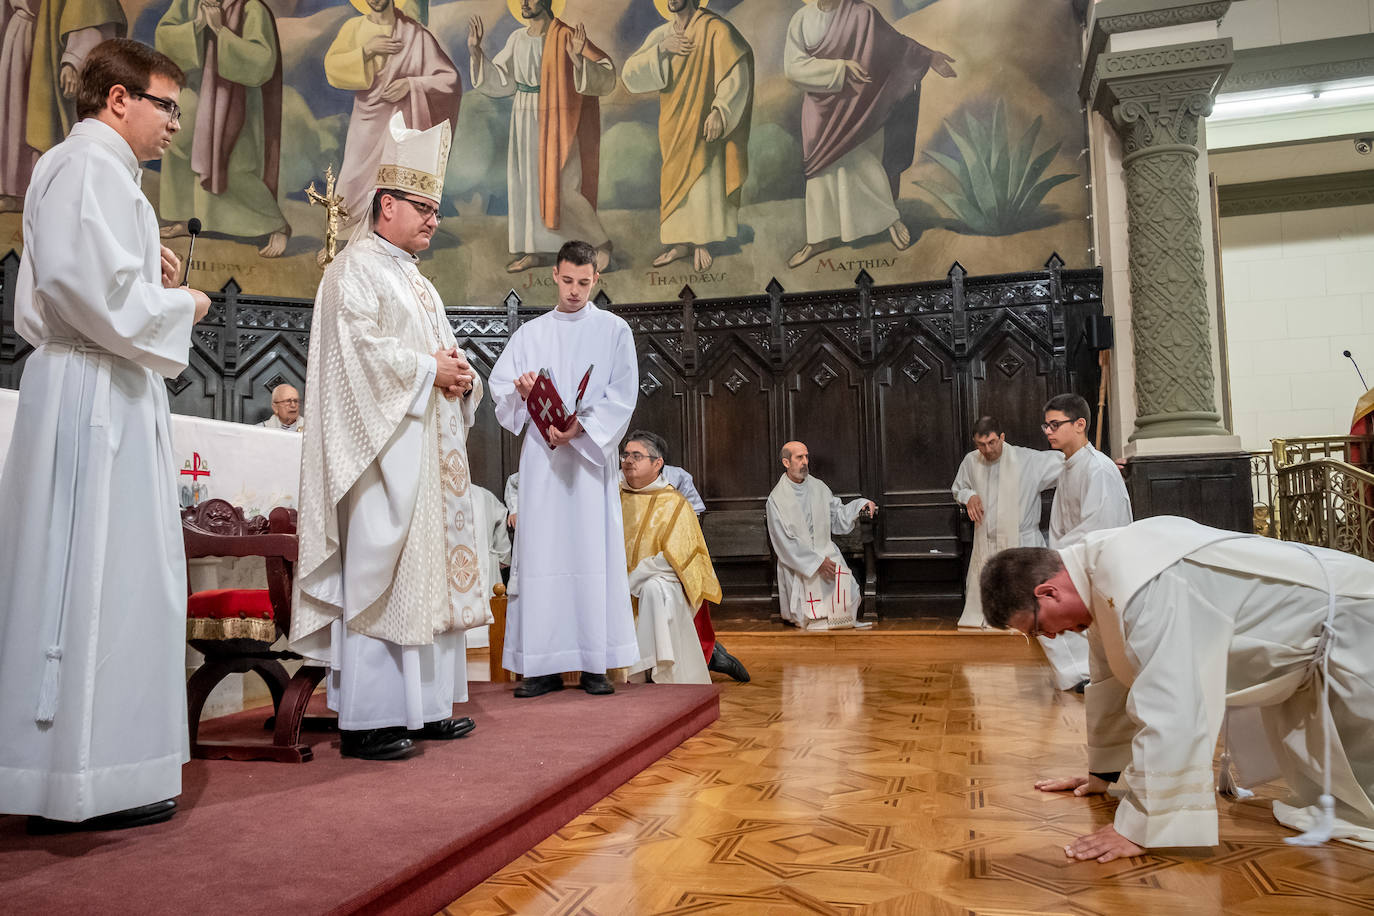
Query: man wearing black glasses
x: 92, y: 570
x: 1090, y: 496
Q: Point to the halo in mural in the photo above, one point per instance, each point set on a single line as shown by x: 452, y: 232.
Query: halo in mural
x: 405, y: 6
x: 514, y: 7
x: 662, y: 7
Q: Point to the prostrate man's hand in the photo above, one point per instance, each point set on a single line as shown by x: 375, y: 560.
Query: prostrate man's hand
x: 1104, y: 845
x: 525, y: 384
x: 202, y: 302
x: 975, y: 508
x: 563, y: 437
x: 171, y: 267
x: 452, y: 373
x: 828, y: 569
x: 1078, y: 785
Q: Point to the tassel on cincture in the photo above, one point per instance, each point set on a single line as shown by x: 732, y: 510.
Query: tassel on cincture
x: 47, y: 690
x: 1321, y: 831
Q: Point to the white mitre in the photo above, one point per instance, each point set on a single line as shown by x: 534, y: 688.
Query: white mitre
x: 413, y: 161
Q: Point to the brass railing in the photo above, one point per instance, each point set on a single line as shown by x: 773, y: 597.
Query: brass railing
x: 1317, y: 490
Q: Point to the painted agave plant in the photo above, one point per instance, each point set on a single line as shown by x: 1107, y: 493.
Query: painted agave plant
x: 999, y: 190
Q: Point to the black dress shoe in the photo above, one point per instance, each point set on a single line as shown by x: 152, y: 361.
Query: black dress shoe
x: 727, y: 664
x: 376, y: 744
x: 596, y: 684
x: 443, y: 730
x: 538, y: 686
x: 141, y: 816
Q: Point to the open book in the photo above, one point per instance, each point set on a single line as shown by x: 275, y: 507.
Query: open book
x: 546, y: 405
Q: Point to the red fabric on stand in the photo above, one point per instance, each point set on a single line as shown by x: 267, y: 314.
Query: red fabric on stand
x: 705, y: 631
x: 221, y: 603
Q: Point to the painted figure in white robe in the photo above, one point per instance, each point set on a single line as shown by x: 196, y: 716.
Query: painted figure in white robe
x: 703, y: 71
x: 816, y: 590
x: 1185, y: 621
x: 392, y: 562
x: 392, y: 63
x: 491, y: 516
x: 570, y: 608
x: 863, y: 93
x: 286, y: 410
x: 92, y: 570
x: 999, y: 485
x: 553, y: 160
x: 1089, y: 496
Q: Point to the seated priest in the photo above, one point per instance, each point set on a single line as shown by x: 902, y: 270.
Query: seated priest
x: 1185, y: 621
x: 671, y: 577
x: 816, y: 590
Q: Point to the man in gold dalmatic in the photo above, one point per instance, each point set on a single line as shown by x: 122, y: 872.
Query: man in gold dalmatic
x: 671, y: 577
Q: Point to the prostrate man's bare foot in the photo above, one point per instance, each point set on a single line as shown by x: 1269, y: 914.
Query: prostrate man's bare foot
x: 809, y: 251
x: 672, y: 254
x: 901, y: 235
x: 174, y: 231
x: 275, y: 245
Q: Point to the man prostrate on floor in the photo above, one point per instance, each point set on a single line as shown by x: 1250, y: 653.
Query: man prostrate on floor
x: 816, y: 590
x: 671, y: 576
x: 570, y: 610
x: 92, y: 571
x: 1000, y: 485
x: 391, y: 569
x: 1185, y: 620
x: 1090, y: 496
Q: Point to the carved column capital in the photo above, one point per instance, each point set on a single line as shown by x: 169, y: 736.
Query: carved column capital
x: 1156, y: 96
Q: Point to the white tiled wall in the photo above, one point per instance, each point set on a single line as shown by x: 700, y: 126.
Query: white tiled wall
x: 1299, y: 290
x: 1259, y: 23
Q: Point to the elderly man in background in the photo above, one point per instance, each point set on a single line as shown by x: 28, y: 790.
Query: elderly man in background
x: 816, y: 590
x: 286, y: 410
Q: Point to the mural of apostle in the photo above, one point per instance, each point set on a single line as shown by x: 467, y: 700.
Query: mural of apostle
x: 16, y: 52
x: 863, y: 93
x: 224, y: 170
x: 553, y: 160
x: 702, y: 69
x: 392, y: 64
x: 64, y: 32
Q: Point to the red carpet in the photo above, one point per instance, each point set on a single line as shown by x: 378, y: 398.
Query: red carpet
x: 338, y: 835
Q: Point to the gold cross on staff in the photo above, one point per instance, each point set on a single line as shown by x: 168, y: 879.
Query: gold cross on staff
x: 334, y: 212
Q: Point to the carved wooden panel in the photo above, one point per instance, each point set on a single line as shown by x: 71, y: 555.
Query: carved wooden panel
x: 738, y: 464
x: 824, y: 408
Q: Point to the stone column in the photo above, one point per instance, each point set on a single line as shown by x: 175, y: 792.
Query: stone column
x: 1155, y: 98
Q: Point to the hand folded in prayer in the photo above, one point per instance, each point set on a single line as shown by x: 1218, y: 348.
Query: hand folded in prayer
x: 828, y: 569
x: 559, y: 437
x: 525, y: 384
x: 171, y: 268
x: 452, y: 373
x: 1078, y: 785
x: 1104, y: 845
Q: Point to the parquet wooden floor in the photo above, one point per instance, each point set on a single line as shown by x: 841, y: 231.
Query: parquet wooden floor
x: 891, y: 773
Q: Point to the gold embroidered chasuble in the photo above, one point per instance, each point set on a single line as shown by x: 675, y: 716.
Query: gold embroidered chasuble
x: 376, y: 318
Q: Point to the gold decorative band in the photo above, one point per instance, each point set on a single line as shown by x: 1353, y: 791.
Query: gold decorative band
x: 404, y: 179
x: 231, y: 628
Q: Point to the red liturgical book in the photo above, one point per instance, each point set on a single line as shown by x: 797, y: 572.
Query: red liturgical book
x: 546, y: 406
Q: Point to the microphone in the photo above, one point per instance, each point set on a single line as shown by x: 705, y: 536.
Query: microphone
x: 193, y: 227
x: 1346, y: 354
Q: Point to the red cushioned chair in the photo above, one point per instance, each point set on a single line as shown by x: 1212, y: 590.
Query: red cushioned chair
x: 235, y: 628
